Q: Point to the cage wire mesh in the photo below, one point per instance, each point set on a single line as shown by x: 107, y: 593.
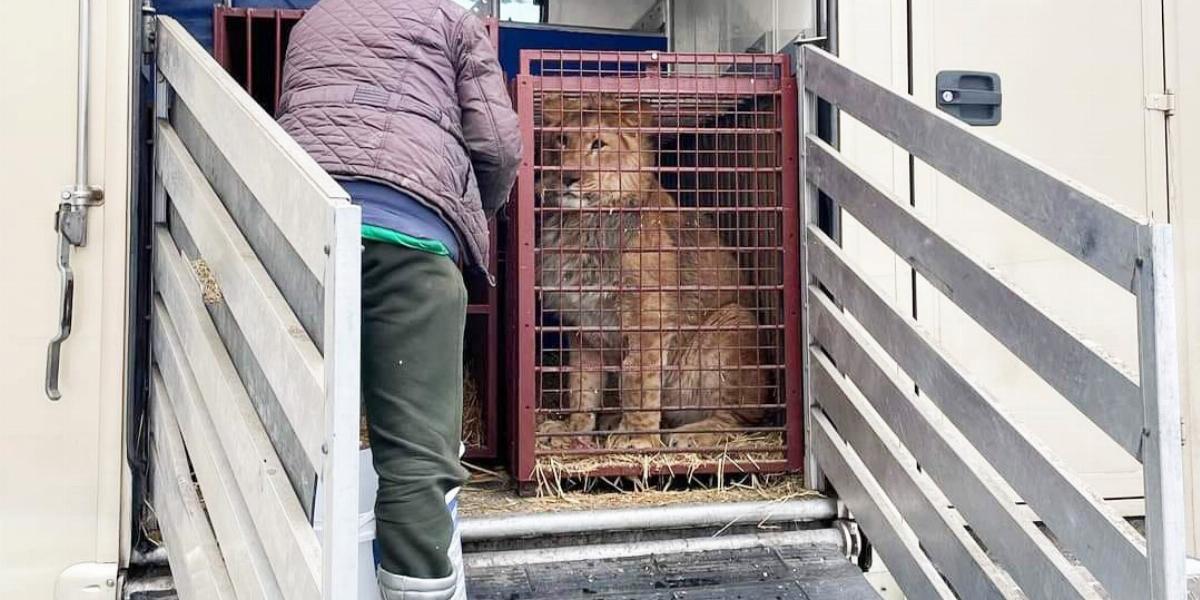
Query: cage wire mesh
x: 655, y: 221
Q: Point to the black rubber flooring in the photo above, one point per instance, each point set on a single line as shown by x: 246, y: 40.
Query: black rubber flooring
x: 815, y: 572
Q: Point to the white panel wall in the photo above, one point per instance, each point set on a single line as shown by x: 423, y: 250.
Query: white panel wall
x: 62, y: 462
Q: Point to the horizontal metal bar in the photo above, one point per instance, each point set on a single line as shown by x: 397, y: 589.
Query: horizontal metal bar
x: 623, y: 410
x: 716, y: 514
x: 302, y: 290
x: 295, y: 462
x: 286, y: 181
x: 726, y: 210
x: 654, y: 288
x: 243, y: 552
x: 974, y: 487
x: 807, y: 537
x: 1101, y: 539
x: 196, y: 562
x: 288, y: 539
x: 942, y: 531
x: 652, y: 57
x: 1084, y: 376
x: 669, y: 129
x: 1083, y: 223
x: 870, y: 505
x: 673, y: 169
x: 287, y: 356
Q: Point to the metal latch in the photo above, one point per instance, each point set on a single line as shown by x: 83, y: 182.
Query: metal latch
x: 1164, y: 102
x: 70, y: 221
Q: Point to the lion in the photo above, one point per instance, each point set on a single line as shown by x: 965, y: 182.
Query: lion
x: 648, y: 287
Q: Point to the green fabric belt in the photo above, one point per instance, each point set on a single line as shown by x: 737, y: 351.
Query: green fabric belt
x: 380, y: 234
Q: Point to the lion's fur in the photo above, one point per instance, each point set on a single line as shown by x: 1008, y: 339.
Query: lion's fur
x: 642, y: 275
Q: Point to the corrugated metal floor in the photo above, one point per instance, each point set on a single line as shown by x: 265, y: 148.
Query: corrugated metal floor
x: 811, y: 572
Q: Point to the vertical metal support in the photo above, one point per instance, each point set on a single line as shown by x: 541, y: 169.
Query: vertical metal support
x: 1162, y: 454
x: 526, y: 337
x: 343, y: 291
x: 813, y: 477
x: 792, y: 276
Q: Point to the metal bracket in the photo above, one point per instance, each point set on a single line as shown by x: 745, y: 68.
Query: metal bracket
x: 149, y: 27
x: 1164, y: 102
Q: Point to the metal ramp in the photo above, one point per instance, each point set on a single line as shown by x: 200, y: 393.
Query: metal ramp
x: 815, y: 571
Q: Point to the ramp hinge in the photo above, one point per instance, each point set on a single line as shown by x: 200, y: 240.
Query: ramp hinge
x: 1164, y: 102
x: 149, y: 28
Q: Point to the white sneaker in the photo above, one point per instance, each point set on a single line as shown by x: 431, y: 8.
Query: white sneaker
x: 399, y: 587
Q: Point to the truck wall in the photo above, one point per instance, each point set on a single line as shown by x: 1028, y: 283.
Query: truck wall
x: 1074, y: 100
x: 1183, y: 77
x: 61, y: 501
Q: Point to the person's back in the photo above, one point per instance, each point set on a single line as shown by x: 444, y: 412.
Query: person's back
x: 403, y: 102
x: 406, y: 93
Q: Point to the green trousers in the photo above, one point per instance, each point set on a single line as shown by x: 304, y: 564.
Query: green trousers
x: 413, y: 316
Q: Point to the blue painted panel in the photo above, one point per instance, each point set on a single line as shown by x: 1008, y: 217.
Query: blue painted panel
x: 514, y: 38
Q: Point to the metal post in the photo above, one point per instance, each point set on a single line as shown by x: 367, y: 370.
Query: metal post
x: 339, y: 540
x: 813, y: 477
x: 1162, y: 454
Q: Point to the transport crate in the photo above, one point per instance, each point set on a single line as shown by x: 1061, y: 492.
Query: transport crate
x: 250, y: 44
x: 654, y: 266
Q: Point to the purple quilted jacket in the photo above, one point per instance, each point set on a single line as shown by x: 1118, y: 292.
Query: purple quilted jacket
x: 407, y: 93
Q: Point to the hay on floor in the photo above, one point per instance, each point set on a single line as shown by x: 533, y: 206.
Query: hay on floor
x: 557, y: 473
x: 492, y: 493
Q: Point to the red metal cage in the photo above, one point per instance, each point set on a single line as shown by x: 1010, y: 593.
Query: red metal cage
x: 654, y: 265
x: 250, y: 44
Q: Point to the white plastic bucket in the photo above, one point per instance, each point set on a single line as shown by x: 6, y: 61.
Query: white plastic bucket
x: 368, y: 487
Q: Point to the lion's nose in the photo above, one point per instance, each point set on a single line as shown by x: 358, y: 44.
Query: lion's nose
x: 569, y: 179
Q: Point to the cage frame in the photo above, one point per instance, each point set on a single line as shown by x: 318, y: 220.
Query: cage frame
x: 523, y: 329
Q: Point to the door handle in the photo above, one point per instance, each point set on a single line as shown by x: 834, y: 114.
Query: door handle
x: 972, y: 97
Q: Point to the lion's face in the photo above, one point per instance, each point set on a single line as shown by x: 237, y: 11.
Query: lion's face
x: 596, y: 150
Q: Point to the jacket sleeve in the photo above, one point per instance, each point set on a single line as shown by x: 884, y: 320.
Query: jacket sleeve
x: 490, y: 127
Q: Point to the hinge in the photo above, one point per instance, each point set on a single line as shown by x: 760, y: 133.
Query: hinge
x: 149, y: 27
x: 1164, y: 102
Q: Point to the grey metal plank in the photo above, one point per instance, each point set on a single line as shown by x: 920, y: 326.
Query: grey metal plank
x: 291, y: 187
x: 302, y: 290
x: 287, y: 356
x: 873, y: 510
x: 288, y: 538
x: 1081, y: 222
x: 1102, y: 540
x: 1082, y: 374
x: 196, y: 561
x: 965, y: 477
x: 942, y: 532
x: 300, y: 471
x: 1158, y: 345
x: 247, y: 562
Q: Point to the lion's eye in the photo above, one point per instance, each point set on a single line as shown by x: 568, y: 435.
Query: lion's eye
x: 561, y: 141
x: 598, y: 144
